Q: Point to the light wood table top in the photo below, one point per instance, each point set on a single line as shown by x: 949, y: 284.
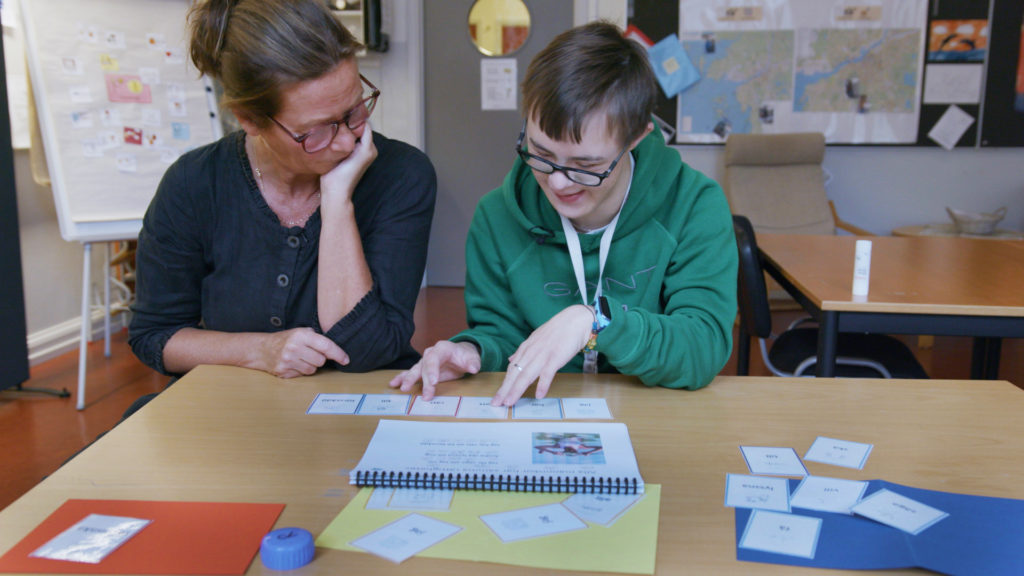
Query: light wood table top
x: 949, y: 229
x: 236, y: 435
x: 909, y: 275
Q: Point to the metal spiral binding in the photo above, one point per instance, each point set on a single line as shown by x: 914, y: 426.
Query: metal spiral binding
x: 499, y: 482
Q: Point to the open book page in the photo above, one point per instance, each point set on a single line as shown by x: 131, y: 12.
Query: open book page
x: 527, y: 456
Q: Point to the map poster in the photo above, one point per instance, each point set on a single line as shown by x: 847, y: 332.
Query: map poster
x: 850, y: 72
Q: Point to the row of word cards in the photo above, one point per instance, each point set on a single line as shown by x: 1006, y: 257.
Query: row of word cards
x: 459, y: 407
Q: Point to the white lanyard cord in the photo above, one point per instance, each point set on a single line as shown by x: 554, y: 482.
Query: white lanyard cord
x: 572, y: 239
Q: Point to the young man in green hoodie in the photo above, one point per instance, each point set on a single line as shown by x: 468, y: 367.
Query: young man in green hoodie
x: 601, y: 251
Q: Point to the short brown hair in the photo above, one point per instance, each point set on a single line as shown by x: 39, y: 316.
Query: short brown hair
x: 587, y: 69
x: 257, y: 48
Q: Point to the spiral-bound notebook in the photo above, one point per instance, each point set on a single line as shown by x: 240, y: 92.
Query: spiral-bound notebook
x: 581, y: 457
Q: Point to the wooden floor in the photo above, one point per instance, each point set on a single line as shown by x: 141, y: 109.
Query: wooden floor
x: 39, y: 432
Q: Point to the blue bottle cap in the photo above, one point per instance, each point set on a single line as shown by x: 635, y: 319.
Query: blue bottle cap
x: 287, y: 549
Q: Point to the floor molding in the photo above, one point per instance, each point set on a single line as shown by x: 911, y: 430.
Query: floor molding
x: 61, y: 338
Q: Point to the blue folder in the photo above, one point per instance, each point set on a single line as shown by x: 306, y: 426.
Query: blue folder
x: 981, y: 535
x: 672, y: 66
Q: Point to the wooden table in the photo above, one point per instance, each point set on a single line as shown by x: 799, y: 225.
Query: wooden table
x: 949, y: 229
x: 919, y: 285
x: 235, y: 435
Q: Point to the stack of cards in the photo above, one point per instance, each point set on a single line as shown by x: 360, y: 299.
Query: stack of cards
x: 772, y: 528
x: 414, y: 533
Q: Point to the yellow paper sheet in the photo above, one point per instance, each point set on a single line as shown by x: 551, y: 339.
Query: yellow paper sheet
x: 629, y: 545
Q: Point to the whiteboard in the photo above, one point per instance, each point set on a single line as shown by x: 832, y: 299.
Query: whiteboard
x: 118, y: 102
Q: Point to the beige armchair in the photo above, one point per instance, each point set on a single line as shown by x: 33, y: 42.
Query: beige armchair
x: 777, y: 182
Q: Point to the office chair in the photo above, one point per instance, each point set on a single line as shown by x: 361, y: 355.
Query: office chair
x: 794, y: 352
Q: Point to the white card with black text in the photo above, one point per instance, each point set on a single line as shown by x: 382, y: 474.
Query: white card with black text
x: 773, y: 461
x: 405, y: 537
x: 898, y: 511
x: 780, y: 533
x: 603, y: 509
x: 839, y: 452
x: 532, y: 522
x: 764, y: 492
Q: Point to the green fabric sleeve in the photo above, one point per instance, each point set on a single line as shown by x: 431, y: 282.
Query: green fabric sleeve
x: 687, y: 344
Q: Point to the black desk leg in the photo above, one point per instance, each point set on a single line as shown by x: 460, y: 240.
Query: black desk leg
x: 828, y: 336
x: 985, y: 358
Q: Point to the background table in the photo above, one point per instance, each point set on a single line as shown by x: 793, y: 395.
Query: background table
x: 236, y: 435
x: 948, y: 286
x: 948, y: 229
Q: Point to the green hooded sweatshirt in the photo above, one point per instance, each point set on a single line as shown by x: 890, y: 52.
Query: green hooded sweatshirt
x: 670, y: 277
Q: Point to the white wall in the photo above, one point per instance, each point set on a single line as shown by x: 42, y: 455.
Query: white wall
x: 885, y: 188
x: 399, y: 72
x: 51, y: 269
x: 881, y: 188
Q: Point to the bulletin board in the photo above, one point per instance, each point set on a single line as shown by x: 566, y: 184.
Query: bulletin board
x: 117, y: 102
x: 1002, y: 118
x: 876, y: 72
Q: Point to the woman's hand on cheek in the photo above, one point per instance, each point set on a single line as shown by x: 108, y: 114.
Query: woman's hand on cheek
x: 344, y: 177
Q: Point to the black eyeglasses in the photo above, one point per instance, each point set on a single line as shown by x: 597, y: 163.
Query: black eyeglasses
x: 585, y: 177
x: 321, y: 136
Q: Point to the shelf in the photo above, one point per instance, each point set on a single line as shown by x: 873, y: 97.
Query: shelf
x: 352, y: 19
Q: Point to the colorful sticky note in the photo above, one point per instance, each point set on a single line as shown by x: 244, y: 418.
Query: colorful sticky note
x: 133, y: 135
x: 127, y: 88
x: 180, y: 131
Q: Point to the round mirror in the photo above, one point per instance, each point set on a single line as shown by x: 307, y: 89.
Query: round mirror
x: 499, y: 27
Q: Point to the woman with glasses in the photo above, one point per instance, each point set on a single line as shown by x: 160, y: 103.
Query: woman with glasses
x: 299, y: 240
x: 602, y: 251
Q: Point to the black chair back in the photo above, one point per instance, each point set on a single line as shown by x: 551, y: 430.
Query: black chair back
x: 755, y: 314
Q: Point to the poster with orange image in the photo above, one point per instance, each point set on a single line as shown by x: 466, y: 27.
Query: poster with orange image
x: 958, y: 40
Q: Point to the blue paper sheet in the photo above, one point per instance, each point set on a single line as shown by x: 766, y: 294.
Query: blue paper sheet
x: 672, y: 67
x: 982, y: 535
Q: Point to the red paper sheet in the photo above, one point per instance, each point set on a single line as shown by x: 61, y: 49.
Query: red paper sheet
x: 183, y: 538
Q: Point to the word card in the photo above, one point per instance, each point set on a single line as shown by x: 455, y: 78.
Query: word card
x: 742, y: 491
x: 780, y: 533
x: 773, y: 461
x: 405, y: 537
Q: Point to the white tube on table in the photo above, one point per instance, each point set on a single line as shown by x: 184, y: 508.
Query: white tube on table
x: 862, y: 268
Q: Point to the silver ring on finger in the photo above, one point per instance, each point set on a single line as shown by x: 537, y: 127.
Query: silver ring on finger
x: 517, y: 366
